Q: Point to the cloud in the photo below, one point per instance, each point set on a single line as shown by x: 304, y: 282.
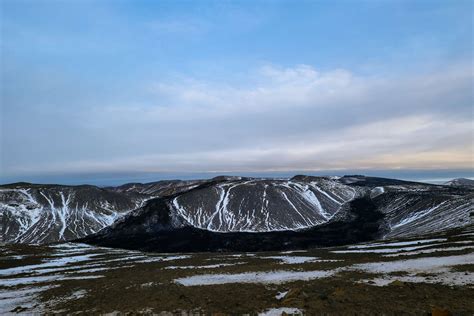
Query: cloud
x: 294, y: 118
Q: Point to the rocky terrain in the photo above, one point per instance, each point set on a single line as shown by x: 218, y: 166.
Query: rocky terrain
x: 232, y: 213
x: 429, y: 275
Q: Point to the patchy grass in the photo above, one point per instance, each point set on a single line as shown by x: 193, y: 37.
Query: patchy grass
x: 127, y: 281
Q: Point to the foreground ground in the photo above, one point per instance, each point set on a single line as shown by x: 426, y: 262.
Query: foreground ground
x: 434, y: 274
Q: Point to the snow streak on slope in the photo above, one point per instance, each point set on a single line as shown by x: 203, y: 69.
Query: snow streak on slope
x: 255, y: 205
x: 159, y: 188
x: 32, y: 213
x: 56, y: 213
x: 409, y: 214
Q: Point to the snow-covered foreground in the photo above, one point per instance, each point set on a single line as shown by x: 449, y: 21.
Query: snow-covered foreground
x: 54, y: 278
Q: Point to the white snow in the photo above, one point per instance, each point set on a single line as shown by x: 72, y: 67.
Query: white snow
x: 401, y: 243
x: 442, y: 276
x: 281, y: 295
x: 82, y: 277
x: 63, y: 269
x: 425, y: 251
x: 418, y: 215
x: 280, y: 310
x: 209, y: 266
x: 59, y: 262
x: 255, y: 277
x: 292, y: 251
x: 297, y: 212
x: 70, y: 245
x: 158, y: 259
x: 15, y: 257
x: 29, y: 280
x: 425, y: 264
x: 381, y: 250
x: 440, y: 266
x: 25, y: 297
x: 326, y: 194
x: 238, y: 255
x: 377, y: 191
x: 309, y: 196
x: 291, y: 259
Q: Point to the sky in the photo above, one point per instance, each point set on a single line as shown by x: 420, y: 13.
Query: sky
x: 108, y: 91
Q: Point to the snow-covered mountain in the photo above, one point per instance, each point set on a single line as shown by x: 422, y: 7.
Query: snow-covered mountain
x: 313, y: 210
x: 158, y: 188
x: 36, y: 213
x: 258, y: 205
x: 47, y: 213
x: 411, y: 208
x: 460, y: 182
x: 410, y: 212
x: 261, y: 214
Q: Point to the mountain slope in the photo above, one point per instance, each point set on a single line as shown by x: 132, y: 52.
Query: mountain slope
x: 257, y: 205
x: 300, y: 212
x: 158, y: 188
x: 414, y: 212
x: 461, y: 182
x: 156, y: 227
x: 226, y: 211
x: 48, y: 213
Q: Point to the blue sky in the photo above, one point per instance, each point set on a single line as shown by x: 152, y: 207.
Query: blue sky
x: 150, y: 87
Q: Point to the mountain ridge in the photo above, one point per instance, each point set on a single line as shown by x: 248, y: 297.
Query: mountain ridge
x: 399, y: 208
x: 231, y: 205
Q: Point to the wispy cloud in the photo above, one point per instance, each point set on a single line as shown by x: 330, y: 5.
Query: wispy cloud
x: 294, y: 118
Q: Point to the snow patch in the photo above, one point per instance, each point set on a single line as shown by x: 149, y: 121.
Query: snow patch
x: 280, y: 310
x: 415, y: 265
x: 401, y: 243
x: 441, y: 277
x: 381, y: 250
x: 291, y: 259
x: 59, y: 262
x: 425, y: 251
x: 255, y: 277
x: 209, y: 266
x: 281, y: 295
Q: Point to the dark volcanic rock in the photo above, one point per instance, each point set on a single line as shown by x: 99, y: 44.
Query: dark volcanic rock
x: 154, y: 228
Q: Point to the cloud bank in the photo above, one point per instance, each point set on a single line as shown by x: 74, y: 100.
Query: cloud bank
x: 275, y: 119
